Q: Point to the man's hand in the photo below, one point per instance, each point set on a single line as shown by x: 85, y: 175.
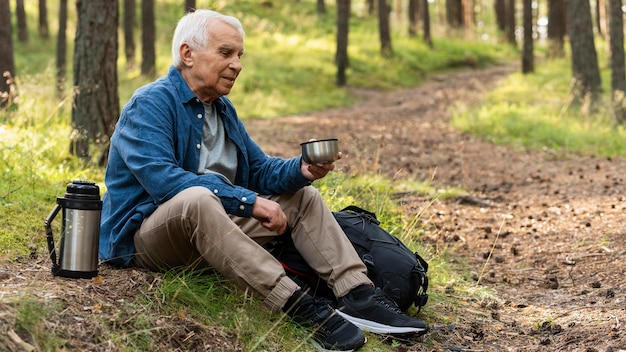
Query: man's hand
x: 270, y: 215
x: 317, y: 171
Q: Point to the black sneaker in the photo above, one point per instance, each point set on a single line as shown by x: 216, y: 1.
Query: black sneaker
x: 331, y: 331
x: 379, y: 314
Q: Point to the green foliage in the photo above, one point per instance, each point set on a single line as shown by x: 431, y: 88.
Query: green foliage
x: 531, y: 111
x: 29, y: 321
x: 182, y: 288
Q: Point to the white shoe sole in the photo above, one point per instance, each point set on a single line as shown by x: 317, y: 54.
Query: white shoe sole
x: 378, y: 328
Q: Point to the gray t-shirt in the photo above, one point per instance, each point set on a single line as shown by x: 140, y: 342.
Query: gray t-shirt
x: 218, y: 153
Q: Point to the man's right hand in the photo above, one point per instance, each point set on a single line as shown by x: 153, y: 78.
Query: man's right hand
x: 270, y: 215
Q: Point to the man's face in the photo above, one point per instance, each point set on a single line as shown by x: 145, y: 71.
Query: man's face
x: 211, y: 72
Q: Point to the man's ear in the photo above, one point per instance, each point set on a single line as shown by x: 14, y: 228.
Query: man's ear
x: 185, y: 54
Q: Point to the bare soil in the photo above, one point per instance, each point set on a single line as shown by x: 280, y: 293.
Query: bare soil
x: 541, y: 229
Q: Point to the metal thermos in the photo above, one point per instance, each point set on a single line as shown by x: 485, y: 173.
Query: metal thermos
x: 80, y: 231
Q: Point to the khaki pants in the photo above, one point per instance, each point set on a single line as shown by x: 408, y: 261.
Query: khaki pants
x: 193, y: 229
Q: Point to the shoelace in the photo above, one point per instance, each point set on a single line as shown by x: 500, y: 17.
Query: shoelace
x: 320, y: 314
x: 329, y: 319
x: 386, y: 301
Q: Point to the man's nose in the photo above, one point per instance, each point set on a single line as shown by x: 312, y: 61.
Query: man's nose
x: 236, y: 65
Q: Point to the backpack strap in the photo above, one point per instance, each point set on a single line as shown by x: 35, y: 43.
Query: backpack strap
x: 422, y: 297
x: 365, y: 214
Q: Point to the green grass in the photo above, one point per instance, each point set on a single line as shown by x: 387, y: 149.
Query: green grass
x: 288, y: 70
x: 532, y: 111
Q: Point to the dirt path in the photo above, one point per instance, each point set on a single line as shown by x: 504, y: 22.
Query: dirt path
x: 542, y: 229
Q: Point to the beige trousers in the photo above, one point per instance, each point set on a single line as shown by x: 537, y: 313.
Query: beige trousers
x: 193, y: 229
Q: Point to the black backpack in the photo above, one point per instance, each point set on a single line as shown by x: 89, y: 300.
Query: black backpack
x: 391, y: 265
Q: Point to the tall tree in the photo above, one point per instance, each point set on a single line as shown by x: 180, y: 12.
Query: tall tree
x: 44, y: 32
x: 600, y: 17
x: 454, y: 13
x: 528, y: 62
x: 500, y: 13
x: 384, y: 29
x: 320, y: 6
x: 426, y: 23
x: 61, y: 49
x: 190, y: 5
x: 130, y: 15
x: 467, y: 15
x: 557, y: 28
x: 148, y: 29
x: 22, y: 28
x: 510, y: 21
x: 413, y: 15
x: 7, y: 63
x: 96, y: 102
x: 616, y: 45
x: 343, y: 25
x: 586, y: 84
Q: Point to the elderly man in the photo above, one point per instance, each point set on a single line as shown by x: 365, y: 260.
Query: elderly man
x: 187, y: 186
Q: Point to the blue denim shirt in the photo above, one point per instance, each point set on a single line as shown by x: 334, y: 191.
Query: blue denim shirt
x: 154, y: 155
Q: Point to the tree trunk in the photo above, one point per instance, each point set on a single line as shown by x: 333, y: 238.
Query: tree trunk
x: 510, y: 22
x: 44, y: 32
x: 467, y: 14
x: 190, y: 5
x: 413, y: 15
x: 426, y: 21
x: 96, y: 102
x: 454, y: 13
x: 528, y: 63
x: 61, y: 49
x: 500, y: 13
x: 600, y: 17
x: 586, y: 85
x: 130, y: 15
x: 148, y: 29
x: 383, y: 28
x: 321, y: 6
x: 7, y: 63
x: 557, y: 24
x: 616, y: 45
x: 22, y: 28
x: 343, y: 25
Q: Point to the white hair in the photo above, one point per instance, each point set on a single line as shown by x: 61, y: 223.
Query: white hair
x: 192, y: 29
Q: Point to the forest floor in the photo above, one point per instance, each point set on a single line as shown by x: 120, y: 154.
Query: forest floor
x: 543, y: 230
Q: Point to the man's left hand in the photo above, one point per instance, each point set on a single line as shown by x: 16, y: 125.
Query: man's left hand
x: 317, y: 171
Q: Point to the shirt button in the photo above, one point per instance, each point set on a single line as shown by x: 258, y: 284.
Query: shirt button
x: 241, y: 207
x: 215, y: 191
x: 243, y: 199
x: 198, y: 146
x: 197, y: 100
x: 199, y: 116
